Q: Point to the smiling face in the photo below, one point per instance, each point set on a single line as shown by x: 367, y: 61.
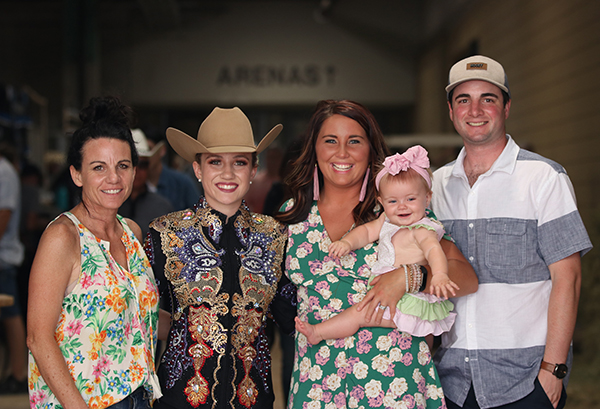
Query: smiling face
x: 478, y: 112
x: 106, y: 175
x: 343, y: 151
x: 404, y: 200
x: 225, y: 179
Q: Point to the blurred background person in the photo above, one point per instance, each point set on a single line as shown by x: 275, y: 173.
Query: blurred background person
x: 34, y: 218
x: 11, y: 257
x: 265, y: 178
x: 279, y: 191
x: 177, y: 187
x: 143, y: 205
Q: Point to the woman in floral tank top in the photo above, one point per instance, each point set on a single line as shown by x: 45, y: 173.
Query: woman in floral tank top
x: 93, y: 302
x: 333, y: 191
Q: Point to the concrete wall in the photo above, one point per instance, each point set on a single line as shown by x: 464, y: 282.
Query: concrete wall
x: 257, y: 53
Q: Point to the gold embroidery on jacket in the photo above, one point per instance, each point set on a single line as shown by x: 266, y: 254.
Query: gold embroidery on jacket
x: 206, y: 305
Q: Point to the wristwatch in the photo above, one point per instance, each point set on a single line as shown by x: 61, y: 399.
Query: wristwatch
x: 424, y: 283
x: 558, y: 370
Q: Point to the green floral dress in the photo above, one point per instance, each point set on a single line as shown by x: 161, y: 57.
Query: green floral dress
x: 107, y: 326
x: 376, y: 367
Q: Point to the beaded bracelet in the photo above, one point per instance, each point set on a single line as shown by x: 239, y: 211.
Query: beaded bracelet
x: 417, y: 278
x: 406, y: 278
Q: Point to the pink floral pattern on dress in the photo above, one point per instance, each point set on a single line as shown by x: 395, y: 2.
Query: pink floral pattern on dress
x: 376, y: 367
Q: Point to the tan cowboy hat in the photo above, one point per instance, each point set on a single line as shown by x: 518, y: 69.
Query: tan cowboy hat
x: 224, y: 130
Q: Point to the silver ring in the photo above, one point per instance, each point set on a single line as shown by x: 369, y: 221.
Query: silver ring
x: 382, y: 307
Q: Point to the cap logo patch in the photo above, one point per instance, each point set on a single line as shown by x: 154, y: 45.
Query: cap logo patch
x: 477, y: 66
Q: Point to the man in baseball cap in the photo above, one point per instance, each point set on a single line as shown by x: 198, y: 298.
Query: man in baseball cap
x: 513, y: 214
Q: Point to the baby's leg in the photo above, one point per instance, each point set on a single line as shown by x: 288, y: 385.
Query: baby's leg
x: 429, y: 340
x: 346, y: 323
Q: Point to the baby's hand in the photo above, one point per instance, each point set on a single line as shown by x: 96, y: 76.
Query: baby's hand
x: 339, y: 248
x: 442, y: 286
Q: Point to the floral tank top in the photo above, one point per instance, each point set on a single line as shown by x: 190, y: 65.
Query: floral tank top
x: 107, y: 329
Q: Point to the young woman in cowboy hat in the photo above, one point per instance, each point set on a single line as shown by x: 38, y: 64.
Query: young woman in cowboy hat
x: 221, y: 267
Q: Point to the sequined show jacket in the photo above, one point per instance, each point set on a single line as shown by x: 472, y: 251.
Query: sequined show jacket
x: 221, y: 279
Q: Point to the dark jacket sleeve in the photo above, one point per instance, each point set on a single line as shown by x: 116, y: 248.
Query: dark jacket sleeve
x: 283, y: 306
x: 157, y: 261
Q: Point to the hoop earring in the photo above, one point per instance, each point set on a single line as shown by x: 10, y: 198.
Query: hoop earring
x: 316, y: 194
x: 363, y: 189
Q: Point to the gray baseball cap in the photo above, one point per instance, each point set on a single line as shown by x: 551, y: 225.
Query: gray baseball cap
x: 478, y: 67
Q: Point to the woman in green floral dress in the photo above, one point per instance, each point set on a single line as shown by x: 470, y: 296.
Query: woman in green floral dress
x: 333, y: 191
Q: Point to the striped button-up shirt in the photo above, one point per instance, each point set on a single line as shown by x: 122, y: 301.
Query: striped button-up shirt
x: 517, y: 219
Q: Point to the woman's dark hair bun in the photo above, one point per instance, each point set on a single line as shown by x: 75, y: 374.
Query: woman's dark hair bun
x: 106, y: 109
x: 103, y: 117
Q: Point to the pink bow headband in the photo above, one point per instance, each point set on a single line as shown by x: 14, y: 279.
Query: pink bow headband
x: 414, y: 158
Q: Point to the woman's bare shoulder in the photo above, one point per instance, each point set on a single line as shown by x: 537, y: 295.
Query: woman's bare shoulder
x: 57, y: 255
x: 62, y: 232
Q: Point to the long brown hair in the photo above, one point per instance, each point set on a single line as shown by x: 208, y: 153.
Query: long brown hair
x: 300, y: 179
